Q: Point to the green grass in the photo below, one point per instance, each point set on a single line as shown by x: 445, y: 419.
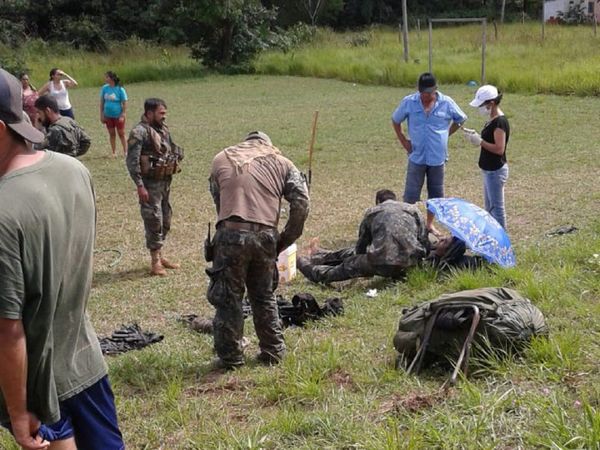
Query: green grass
x: 565, y: 62
x: 133, y: 60
x: 337, y: 388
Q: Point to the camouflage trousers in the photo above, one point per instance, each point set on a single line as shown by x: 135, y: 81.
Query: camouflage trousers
x: 157, y: 212
x: 244, y: 260
x: 327, y: 266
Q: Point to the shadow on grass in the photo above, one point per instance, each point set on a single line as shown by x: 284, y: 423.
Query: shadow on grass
x: 104, y: 276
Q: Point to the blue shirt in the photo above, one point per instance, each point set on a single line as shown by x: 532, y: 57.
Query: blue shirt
x: 428, y: 132
x: 113, y: 96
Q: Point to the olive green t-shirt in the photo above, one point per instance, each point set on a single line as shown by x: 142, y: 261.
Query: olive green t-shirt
x: 47, y: 230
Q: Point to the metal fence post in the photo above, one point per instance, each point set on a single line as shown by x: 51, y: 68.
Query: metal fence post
x: 483, y: 45
x: 430, y: 53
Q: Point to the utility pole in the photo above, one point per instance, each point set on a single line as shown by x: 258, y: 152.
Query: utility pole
x: 405, y: 29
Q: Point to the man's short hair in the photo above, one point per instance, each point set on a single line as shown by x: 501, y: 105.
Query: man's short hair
x: 47, y: 101
x: 383, y: 195
x: 152, y: 104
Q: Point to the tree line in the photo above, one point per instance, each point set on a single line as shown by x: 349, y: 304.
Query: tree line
x: 220, y: 33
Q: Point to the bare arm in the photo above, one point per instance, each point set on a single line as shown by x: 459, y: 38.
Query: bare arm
x: 70, y: 81
x: 44, y: 89
x: 102, y: 119
x: 13, y: 383
x: 406, y: 143
x: 455, y: 126
x: 124, y: 108
x: 499, y: 146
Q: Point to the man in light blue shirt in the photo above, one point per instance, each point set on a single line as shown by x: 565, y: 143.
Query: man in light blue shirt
x: 432, y: 117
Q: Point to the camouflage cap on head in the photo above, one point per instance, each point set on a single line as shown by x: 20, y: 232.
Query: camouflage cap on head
x: 11, y: 108
x: 259, y: 135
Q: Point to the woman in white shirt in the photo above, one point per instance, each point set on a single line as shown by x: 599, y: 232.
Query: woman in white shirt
x: 57, y: 88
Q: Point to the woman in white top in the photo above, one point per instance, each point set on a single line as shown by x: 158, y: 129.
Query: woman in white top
x: 57, y: 88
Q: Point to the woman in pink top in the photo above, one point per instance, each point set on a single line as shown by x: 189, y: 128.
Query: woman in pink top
x: 30, y: 95
x: 57, y: 88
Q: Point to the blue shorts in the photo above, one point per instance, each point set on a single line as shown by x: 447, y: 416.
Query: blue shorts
x: 67, y: 113
x: 415, y: 177
x: 90, y: 417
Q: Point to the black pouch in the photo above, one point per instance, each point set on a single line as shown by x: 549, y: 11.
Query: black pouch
x: 209, y: 250
x: 216, y: 286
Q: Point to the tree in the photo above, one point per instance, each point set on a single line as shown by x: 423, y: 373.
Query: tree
x: 313, y: 8
x: 225, y: 33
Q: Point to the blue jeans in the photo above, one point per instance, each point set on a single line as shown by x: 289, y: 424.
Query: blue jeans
x: 415, y: 177
x: 493, y: 193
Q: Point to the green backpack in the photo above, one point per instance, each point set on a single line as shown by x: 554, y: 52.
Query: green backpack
x: 507, y: 320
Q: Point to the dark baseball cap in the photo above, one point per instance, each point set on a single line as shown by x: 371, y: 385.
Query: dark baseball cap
x: 11, y: 108
x: 427, y: 82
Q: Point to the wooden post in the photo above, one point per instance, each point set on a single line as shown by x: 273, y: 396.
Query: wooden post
x: 502, y: 11
x: 311, y: 146
x: 405, y: 29
x: 430, y: 53
x: 419, y: 29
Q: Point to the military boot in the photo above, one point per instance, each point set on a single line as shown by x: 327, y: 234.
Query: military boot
x: 157, y: 267
x: 169, y: 265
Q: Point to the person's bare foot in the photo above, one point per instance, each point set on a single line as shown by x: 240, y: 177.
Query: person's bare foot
x: 311, y: 248
x: 313, y: 245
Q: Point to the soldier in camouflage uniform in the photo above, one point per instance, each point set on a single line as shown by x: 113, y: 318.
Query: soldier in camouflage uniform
x: 392, y: 238
x: 247, y: 183
x: 63, y: 134
x: 152, y: 160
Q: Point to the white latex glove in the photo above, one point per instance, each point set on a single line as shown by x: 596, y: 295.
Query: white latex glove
x: 472, y: 136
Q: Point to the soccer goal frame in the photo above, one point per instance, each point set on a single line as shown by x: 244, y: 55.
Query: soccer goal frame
x: 481, y: 20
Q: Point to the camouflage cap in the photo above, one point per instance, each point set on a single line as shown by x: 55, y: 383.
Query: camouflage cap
x: 259, y: 135
x: 11, y: 108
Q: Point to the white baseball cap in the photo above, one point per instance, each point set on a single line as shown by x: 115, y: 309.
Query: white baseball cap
x: 483, y: 94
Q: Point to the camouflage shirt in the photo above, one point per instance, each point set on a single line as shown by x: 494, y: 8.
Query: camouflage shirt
x: 66, y: 136
x: 393, y: 234
x: 140, y: 143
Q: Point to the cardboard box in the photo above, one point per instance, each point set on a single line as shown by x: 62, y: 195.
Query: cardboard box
x: 286, y: 264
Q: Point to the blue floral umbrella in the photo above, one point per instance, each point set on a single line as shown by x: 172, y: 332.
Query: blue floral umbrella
x: 476, y: 227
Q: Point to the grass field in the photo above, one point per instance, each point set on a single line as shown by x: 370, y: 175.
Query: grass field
x: 337, y: 388
x: 565, y: 62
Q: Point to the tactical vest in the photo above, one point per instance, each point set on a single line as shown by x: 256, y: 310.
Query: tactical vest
x: 160, y: 157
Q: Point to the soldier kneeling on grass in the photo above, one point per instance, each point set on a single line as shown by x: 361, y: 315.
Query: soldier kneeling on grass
x: 63, y: 134
x: 392, y: 238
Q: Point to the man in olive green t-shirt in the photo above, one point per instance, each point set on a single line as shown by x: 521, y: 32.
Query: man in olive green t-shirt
x: 52, y: 369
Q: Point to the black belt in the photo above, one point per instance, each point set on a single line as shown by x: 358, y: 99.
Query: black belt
x: 243, y: 226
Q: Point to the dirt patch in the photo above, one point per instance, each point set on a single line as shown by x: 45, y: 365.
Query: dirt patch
x: 211, y: 385
x: 412, y: 403
x: 342, y: 379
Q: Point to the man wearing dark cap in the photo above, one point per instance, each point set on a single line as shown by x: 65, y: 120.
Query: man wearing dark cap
x: 53, y: 378
x: 247, y: 182
x: 432, y: 117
